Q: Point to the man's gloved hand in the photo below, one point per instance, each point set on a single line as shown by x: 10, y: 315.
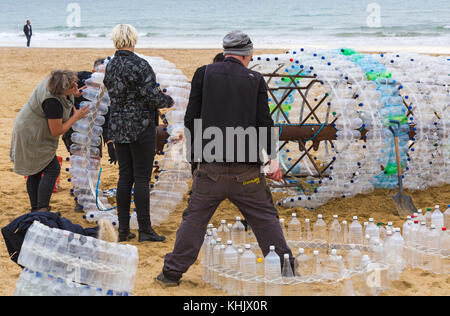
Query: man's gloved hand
x: 112, y: 153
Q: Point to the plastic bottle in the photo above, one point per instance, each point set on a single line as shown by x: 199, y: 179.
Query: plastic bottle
x: 320, y: 229
x: 353, y: 257
x: 447, y: 217
x: 428, y: 217
x: 222, y: 231
x: 437, y: 218
x: 307, y: 234
x: 390, y: 227
x: 382, y: 231
x: 230, y: 229
x: 304, y: 265
x: 230, y: 266
x: 294, y: 231
x: 332, y: 266
x: 420, y: 216
x: 287, y: 273
x: 248, y: 272
x: 355, y: 232
x: 238, y: 232
x: 272, y: 273
x: 344, y: 232
x: 216, y: 262
x: 205, y: 248
x: 317, y: 265
x: 335, y: 232
x: 444, y: 250
x: 372, y: 230
x: 397, y: 246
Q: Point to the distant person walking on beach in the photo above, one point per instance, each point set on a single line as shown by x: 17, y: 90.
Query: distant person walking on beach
x: 135, y: 99
x: 227, y: 95
x: 27, y: 29
x: 37, y: 128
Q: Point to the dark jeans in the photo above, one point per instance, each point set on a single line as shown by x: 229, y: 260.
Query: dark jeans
x: 28, y: 40
x: 40, y: 185
x: 135, y: 167
x: 213, y: 183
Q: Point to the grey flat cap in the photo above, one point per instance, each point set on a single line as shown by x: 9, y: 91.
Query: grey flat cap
x: 237, y: 43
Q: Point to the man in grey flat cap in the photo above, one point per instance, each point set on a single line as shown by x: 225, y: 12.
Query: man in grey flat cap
x: 227, y: 95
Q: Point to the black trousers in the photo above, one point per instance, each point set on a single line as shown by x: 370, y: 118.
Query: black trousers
x: 40, y: 185
x: 135, y: 168
x: 28, y: 40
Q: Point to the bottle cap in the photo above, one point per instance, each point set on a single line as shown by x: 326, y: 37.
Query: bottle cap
x: 389, y: 223
x: 301, y: 250
x: 316, y: 252
x: 344, y: 222
x: 355, y: 218
x: 210, y: 226
x: 379, y: 224
x: 238, y: 218
x: 352, y: 246
x: 366, y: 224
x: 397, y: 230
x: 371, y: 220
x: 444, y: 229
x: 294, y: 214
x: 307, y: 220
x: 286, y: 256
x: 428, y: 209
x: 416, y: 222
x: 229, y: 225
x: 419, y: 211
x: 319, y: 216
x: 281, y: 220
x: 219, y: 240
x: 333, y: 252
x: 389, y: 233
x: 247, y: 246
x: 272, y: 248
x: 240, y: 250
x: 223, y: 221
x: 335, y: 216
x: 408, y: 217
x: 433, y: 227
x: 229, y: 242
x: 423, y: 223
x: 259, y: 260
x: 436, y: 206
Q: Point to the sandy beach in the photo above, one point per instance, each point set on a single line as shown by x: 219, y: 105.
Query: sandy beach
x: 24, y: 68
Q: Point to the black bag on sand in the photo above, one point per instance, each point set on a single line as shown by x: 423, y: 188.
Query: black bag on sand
x: 14, y: 233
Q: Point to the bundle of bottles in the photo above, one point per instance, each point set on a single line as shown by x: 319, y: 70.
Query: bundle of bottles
x: 356, y: 91
x: 171, y: 182
x: 338, y: 259
x: 61, y: 263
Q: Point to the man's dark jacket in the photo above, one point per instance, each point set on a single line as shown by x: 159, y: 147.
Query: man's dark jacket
x: 26, y: 31
x: 14, y: 233
x: 228, y: 94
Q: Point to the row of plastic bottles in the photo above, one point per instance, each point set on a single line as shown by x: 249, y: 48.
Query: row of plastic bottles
x: 79, y: 258
x: 32, y: 283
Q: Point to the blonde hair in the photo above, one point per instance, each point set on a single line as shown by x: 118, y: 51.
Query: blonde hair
x: 124, y: 35
x: 60, y: 81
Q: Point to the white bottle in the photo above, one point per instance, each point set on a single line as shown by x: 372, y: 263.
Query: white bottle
x: 355, y: 232
x: 304, y: 265
x: 238, y: 232
x: 294, y: 232
x: 272, y: 273
x: 335, y: 232
x: 320, y: 229
x: 437, y: 218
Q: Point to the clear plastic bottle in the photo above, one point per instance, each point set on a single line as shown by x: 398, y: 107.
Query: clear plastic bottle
x: 428, y: 217
x: 382, y: 231
x: 335, y: 232
x: 447, y: 217
x: 390, y: 227
x: 287, y: 273
x: 437, y: 218
x: 238, y: 232
x: 332, y: 266
x: 344, y: 232
x: 230, y: 266
x: 307, y: 234
x: 353, y: 257
x: 230, y: 229
x: 294, y: 229
x: 397, y: 246
x: 272, y: 273
x: 304, y: 265
x: 420, y: 216
x: 444, y: 250
x: 216, y: 263
x: 317, y: 264
x: 248, y: 272
x: 355, y: 232
x: 320, y: 229
x: 372, y: 230
x: 283, y: 227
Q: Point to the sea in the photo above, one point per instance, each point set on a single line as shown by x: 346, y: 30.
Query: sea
x: 285, y: 24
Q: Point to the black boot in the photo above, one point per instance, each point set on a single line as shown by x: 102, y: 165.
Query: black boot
x: 150, y: 235
x: 125, y: 235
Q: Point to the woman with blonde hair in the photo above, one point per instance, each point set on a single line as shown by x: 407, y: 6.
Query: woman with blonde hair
x: 135, y: 99
x: 37, y: 128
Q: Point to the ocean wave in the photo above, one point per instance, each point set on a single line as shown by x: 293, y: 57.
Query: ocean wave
x: 382, y: 34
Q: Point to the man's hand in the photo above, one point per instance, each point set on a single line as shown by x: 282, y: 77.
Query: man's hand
x: 112, y: 153
x: 274, y: 171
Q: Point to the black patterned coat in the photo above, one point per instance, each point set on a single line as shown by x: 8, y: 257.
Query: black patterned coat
x: 135, y: 96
